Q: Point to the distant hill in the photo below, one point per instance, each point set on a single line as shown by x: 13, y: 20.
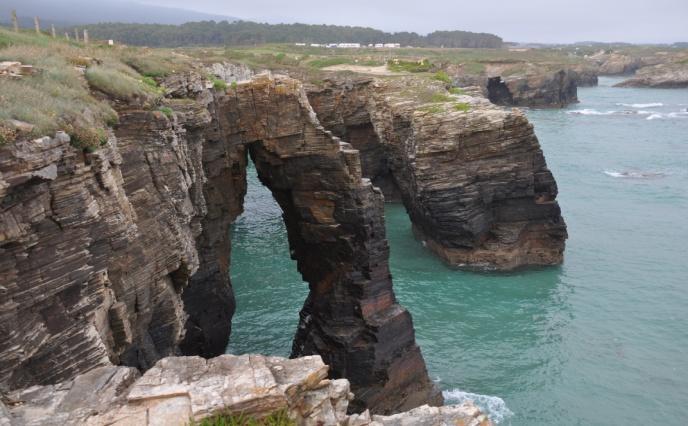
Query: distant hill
x: 71, y: 12
x: 250, y: 33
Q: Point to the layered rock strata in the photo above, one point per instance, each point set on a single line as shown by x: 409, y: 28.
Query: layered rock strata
x: 665, y: 76
x: 473, y: 180
x: 122, y: 256
x: 556, y: 89
x: 179, y: 390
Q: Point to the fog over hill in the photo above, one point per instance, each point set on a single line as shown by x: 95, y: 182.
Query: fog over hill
x: 67, y: 12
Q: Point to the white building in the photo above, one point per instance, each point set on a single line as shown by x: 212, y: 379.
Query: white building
x: 299, y: 44
x: 379, y: 45
x: 349, y: 45
x: 392, y: 45
x: 316, y: 45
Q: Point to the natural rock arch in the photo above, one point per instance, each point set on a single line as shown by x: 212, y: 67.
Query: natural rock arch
x: 334, y: 221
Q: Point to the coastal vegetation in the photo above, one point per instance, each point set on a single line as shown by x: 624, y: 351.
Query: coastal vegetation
x: 252, y: 33
x: 278, y: 418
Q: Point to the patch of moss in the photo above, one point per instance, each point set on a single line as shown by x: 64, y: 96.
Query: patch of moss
x: 442, y: 76
x: 234, y: 85
x: 167, y: 111
x: 440, y: 97
x: 432, y: 109
x: 456, y: 91
x: 462, y: 106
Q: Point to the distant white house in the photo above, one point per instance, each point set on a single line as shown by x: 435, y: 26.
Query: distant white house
x: 349, y: 45
x: 379, y: 45
x: 316, y: 45
x: 299, y: 44
x: 392, y: 45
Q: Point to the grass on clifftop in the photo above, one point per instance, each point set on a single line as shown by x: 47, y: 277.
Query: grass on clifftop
x: 279, y: 418
x: 60, y: 94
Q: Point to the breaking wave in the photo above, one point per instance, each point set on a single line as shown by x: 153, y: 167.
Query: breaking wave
x: 648, y: 105
x: 633, y: 174
x: 657, y: 115
x: 651, y: 115
x: 493, y: 406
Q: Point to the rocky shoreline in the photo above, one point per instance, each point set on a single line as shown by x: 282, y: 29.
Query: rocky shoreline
x: 116, y: 259
x: 178, y: 390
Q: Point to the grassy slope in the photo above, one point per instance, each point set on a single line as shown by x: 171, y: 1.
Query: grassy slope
x: 75, y: 85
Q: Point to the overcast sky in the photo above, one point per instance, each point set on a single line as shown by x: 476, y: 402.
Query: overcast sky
x: 514, y: 20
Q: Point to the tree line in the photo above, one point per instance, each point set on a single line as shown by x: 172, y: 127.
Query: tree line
x: 241, y: 33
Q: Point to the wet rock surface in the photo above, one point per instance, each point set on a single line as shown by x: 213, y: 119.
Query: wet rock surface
x: 178, y: 390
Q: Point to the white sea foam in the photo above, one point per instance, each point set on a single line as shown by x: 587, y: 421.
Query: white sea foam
x: 654, y: 116
x: 588, y: 111
x: 633, y: 174
x: 648, y: 105
x: 493, y: 406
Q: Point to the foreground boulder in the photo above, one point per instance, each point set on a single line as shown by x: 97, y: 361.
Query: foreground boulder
x: 179, y: 390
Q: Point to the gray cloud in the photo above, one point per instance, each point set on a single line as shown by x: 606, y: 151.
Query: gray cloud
x: 514, y: 20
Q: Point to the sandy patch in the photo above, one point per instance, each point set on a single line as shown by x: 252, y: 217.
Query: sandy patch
x: 361, y: 69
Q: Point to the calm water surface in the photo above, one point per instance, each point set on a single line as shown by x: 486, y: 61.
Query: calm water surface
x: 600, y: 340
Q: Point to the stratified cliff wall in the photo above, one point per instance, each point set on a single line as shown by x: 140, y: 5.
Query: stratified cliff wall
x: 474, y: 180
x: 121, y: 256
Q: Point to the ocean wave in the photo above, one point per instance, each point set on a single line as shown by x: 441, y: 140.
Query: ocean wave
x: 633, y: 174
x: 589, y: 111
x: 493, y: 406
x: 648, y: 105
x: 678, y: 114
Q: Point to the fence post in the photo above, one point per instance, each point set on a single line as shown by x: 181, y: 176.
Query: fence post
x: 37, y: 24
x: 67, y: 36
x: 86, y: 36
x: 76, y: 34
x: 52, y: 30
x: 15, y: 23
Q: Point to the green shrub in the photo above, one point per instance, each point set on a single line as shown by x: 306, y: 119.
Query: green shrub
x: 462, y: 106
x: 218, y: 84
x: 234, y: 85
x: 442, y: 76
x: 279, y: 418
x: 456, y: 91
x: 167, y: 111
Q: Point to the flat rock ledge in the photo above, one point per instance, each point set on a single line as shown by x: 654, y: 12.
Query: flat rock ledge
x: 181, y: 390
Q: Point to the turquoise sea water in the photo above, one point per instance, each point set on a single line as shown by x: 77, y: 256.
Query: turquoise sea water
x: 600, y: 340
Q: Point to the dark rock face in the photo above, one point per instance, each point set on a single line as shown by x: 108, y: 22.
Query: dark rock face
x: 122, y: 256
x: 475, y: 184
x: 556, y: 89
x: 586, y: 76
x: 336, y: 233
x: 95, y: 249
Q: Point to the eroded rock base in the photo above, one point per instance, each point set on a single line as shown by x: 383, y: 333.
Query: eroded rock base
x: 179, y: 390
